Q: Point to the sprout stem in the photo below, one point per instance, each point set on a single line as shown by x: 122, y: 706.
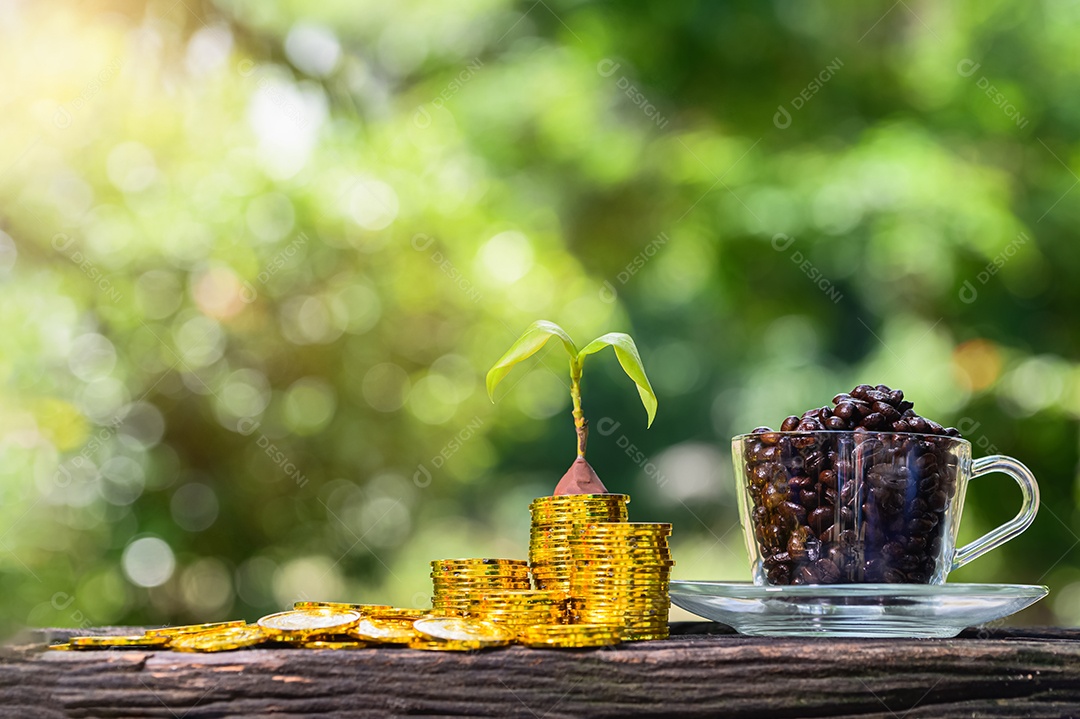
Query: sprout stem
x: 581, y: 426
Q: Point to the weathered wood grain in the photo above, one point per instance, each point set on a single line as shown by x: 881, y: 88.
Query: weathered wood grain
x: 703, y: 671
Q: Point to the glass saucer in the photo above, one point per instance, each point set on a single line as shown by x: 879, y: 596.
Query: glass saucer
x: 853, y: 610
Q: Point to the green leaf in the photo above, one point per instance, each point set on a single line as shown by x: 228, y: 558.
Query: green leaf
x: 627, y: 352
x: 530, y: 342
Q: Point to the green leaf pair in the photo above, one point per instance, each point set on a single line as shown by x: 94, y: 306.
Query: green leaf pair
x: 539, y: 332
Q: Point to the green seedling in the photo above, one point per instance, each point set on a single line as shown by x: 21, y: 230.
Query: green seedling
x: 580, y: 478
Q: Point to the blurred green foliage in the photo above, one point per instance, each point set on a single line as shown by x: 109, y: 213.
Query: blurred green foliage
x: 257, y: 256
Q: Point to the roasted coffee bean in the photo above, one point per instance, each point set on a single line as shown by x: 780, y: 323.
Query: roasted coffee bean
x: 827, y: 571
x: 790, y: 424
x: 828, y: 478
x: 860, y: 391
x: 836, y: 423
x: 821, y: 519
x: 893, y: 576
x: 845, y: 410
x: 780, y: 574
x: 918, y: 424
x: 874, y: 420
x: 887, y: 411
x: 795, y: 513
x: 801, y: 542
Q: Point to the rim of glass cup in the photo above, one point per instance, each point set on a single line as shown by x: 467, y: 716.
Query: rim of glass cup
x: 808, y: 432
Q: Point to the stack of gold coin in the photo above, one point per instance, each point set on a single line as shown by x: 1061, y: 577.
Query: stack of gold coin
x: 457, y: 581
x: 554, y: 521
x: 518, y: 609
x: 620, y: 578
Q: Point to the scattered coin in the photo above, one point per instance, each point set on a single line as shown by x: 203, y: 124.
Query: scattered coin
x: 302, y: 623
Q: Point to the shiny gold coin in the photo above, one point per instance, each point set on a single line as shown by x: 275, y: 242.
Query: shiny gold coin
x: 583, y: 546
x: 619, y: 530
x: 607, y: 581
x: 457, y: 578
x: 300, y: 623
x: 645, y: 636
x: 441, y: 645
x: 563, y: 499
x: 364, y: 609
x: 656, y: 565
x: 65, y: 647
x: 490, y: 573
x: 193, y: 628
x: 104, y: 642
x: 621, y: 598
x: 471, y: 564
x: 524, y: 594
x: 399, y: 613
x: 518, y: 615
x: 463, y: 630
x: 570, y: 629
x: 383, y: 631
x: 461, y: 583
x: 332, y: 644
x: 220, y: 640
x: 569, y: 636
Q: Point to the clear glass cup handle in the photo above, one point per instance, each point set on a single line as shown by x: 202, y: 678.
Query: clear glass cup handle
x: 1028, y: 507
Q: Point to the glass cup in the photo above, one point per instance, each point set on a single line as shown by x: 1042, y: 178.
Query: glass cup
x: 862, y: 506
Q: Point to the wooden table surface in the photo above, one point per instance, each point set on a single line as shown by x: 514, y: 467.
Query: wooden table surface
x: 703, y: 670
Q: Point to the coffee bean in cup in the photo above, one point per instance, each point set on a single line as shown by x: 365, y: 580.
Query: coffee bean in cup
x: 859, y: 494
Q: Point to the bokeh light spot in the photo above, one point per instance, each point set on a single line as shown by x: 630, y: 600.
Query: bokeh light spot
x: 313, y: 48
x: 194, y: 507
x: 309, y: 405
x: 373, y: 204
x: 148, y: 562
x: 506, y: 257
x: 206, y: 588
x: 386, y: 387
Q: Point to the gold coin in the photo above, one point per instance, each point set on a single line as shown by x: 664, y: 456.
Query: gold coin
x: 300, y: 623
x: 582, y: 497
x: 139, y: 640
x: 362, y: 608
x: 220, y: 640
x: 569, y: 636
x: 640, y: 565
x: 521, y: 595
x: 193, y: 628
x: 332, y: 644
x: 441, y: 645
x: 589, y: 546
x: 399, y: 613
x: 481, y: 563
x: 482, y: 571
x: 459, y: 583
x: 65, y: 647
x: 645, y: 636
x: 383, y: 631
x: 463, y: 630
